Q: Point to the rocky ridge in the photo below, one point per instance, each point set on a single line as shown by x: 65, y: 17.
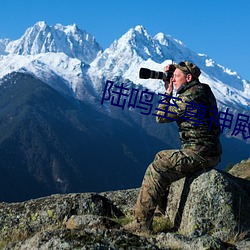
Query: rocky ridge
x: 207, y: 211
x: 241, y: 169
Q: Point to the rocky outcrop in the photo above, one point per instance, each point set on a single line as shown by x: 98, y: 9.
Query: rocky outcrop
x: 210, y: 202
x: 209, y: 210
x: 241, y: 169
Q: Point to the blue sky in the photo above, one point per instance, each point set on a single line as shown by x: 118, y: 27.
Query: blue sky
x: 218, y: 28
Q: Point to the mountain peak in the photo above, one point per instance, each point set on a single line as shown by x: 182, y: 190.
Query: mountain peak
x: 133, y: 48
x: 41, y: 24
x: 42, y: 38
x: 69, y: 28
x: 140, y: 29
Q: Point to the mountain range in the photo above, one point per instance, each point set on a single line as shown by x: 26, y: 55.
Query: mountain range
x: 58, y: 132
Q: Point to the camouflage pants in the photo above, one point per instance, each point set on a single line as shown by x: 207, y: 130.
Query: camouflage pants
x: 167, y: 167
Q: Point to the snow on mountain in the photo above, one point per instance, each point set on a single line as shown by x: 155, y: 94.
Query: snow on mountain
x: 3, y: 43
x: 72, y: 56
x: 63, y: 73
x: 42, y: 38
x: 57, y: 55
x: 133, y: 48
x: 137, y: 49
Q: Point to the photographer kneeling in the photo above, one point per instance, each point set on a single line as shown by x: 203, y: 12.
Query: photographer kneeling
x: 201, y: 146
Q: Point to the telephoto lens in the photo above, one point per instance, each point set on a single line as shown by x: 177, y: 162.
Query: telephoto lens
x: 147, y: 73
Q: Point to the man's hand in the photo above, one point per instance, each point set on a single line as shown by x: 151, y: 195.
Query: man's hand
x: 168, y: 85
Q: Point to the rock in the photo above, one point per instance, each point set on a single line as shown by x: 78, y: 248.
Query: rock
x: 241, y: 169
x: 90, y: 221
x: 20, y: 220
x: 124, y: 199
x: 63, y: 239
x: 243, y: 245
x: 209, y: 210
x: 178, y: 241
x: 212, y: 202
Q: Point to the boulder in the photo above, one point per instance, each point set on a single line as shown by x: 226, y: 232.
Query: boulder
x: 241, y: 169
x: 19, y: 221
x: 210, y: 202
x: 209, y: 210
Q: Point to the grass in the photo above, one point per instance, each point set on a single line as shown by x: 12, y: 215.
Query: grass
x: 123, y: 220
x: 239, y: 237
x: 160, y: 223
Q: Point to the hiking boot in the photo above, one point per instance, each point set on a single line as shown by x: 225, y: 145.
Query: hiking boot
x: 140, y: 227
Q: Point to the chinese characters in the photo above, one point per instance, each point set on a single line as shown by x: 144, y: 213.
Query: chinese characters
x: 121, y: 96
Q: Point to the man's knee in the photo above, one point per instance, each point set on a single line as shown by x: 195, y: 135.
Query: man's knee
x: 161, y: 161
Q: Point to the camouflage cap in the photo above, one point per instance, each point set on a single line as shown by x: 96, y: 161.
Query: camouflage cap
x: 189, y: 68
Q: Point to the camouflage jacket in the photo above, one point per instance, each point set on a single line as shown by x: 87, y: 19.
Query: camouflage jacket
x: 194, y: 109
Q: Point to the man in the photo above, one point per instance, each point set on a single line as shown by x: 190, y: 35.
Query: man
x: 194, y: 109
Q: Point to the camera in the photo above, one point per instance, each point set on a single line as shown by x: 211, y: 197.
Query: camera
x: 145, y: 73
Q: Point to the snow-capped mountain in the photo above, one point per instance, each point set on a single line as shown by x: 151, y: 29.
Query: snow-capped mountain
x: 57, y: 55
x: 137, y: 49
x: 50, y: 141
x: 70, y: 40
x: 73, y: 55
x: 64, y: 73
